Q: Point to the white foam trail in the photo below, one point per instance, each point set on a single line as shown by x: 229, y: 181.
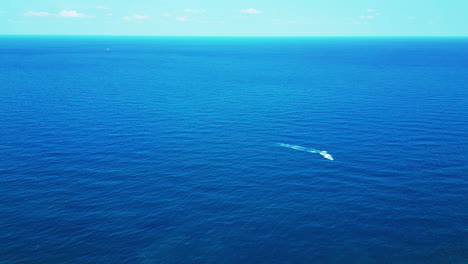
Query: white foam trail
x: 310, y: 150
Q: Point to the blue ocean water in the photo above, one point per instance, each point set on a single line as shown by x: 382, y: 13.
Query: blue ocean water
x: 207, y: 150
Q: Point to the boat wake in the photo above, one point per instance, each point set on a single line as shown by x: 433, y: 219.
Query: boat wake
x: 310, y: 150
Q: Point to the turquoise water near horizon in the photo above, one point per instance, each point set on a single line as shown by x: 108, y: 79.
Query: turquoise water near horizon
x: 210, y: 150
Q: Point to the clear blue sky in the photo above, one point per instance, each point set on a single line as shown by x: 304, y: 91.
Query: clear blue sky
x: 236, y: 18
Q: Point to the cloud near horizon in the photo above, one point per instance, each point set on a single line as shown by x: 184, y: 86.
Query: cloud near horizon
x: 251, y: 11
x: 103, y: 7
x: 181, y: 19
x: 63, y: 13
x: 71, y: 13
x: 135, y: 17
x: 188, y: 10
x: 39, y: 14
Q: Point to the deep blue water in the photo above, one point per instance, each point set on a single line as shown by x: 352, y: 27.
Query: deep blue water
x: 166, y: 150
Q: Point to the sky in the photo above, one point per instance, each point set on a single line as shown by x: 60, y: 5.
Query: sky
x: 235, y: 18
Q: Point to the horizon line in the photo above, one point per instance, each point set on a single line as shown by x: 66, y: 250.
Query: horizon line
x: 242, y: 36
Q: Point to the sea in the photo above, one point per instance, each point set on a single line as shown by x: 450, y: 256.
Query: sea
x: 204, y: 150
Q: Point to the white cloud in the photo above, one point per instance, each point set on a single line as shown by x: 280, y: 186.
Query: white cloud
x: 71, y: 13
x: 141, y: 17
x: 196, y: 11
x: 103, y: 7
x: 181, y: 19
x: 368, y: 15
x: 39, y: 14
x: 63, y: 13
x: 251, y: 11
x: 135, y: 17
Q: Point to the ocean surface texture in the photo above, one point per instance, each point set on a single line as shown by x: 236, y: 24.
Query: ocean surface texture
x: 167, y: 150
